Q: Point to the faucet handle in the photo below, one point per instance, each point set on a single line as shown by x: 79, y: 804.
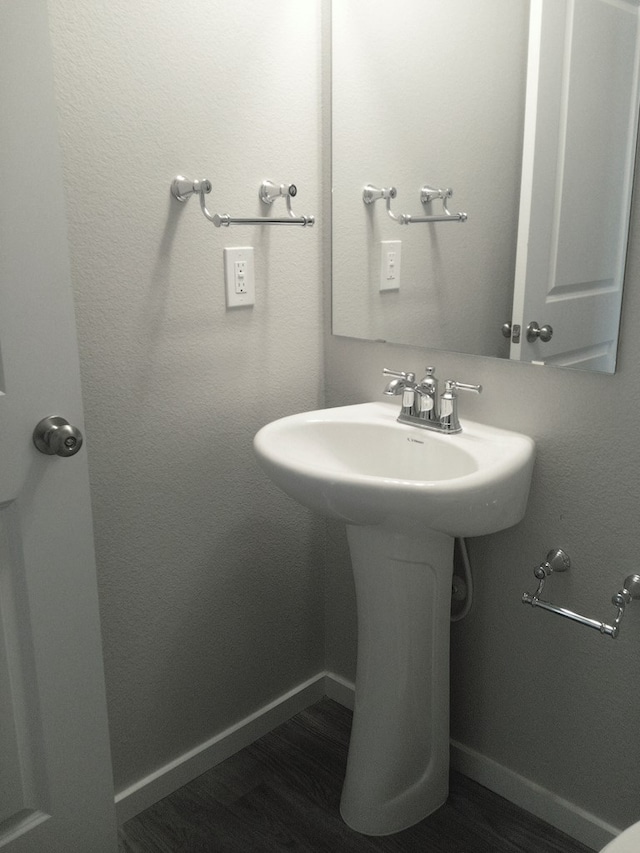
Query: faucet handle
x: 452, y: 385
x: 449, y: 403
x: 399, y: 374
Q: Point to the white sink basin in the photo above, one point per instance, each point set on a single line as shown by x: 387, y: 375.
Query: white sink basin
x: 359, y: 465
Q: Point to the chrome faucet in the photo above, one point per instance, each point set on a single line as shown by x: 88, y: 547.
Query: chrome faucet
x: 421, y: 405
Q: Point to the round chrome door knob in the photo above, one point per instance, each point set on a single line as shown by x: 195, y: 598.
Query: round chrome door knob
x: 55, y: 436
x: 534, y: 331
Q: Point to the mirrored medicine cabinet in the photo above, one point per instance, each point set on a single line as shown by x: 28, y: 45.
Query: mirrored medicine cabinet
x: 521, y: 113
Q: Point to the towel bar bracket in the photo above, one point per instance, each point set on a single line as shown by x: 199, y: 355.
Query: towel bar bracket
x: 182, y: 188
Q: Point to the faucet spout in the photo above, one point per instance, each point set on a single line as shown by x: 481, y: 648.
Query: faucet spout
x: 405, y: 384
x: 427, y: 397
x: 394, y: 388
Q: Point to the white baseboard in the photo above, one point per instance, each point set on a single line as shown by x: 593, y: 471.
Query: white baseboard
x: 565, y: 816
x: 339, y: 689
x: 544, y: 804
x: 167, y: 779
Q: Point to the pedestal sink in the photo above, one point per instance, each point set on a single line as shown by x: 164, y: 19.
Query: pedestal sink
x: 404, y: 493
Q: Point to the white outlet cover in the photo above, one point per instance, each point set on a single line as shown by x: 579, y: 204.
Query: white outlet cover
x: 239, y: 281
x: 390, y: 264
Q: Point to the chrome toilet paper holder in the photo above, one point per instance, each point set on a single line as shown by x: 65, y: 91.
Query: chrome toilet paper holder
x: 558, y: 561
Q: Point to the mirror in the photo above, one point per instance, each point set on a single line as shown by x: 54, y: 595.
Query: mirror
x: 527, y: 111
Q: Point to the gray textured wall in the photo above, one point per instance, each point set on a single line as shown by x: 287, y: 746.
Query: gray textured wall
x: 210, y: 579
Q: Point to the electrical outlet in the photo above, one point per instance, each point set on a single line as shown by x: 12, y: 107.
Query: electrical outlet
x: 390, y: 263
x: 239, y: 277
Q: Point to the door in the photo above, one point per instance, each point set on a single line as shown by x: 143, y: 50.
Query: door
x: 572, y: 232
x: 56, y: 790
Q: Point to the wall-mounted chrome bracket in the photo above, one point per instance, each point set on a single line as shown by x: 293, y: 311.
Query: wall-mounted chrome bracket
x: 558, y: 561
x: 183, y: 188
x: 371, y: 194
x: 429, y: 194
x: 269, y: 191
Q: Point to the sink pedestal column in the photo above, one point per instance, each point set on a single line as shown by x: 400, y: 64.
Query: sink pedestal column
x: 398, y: 765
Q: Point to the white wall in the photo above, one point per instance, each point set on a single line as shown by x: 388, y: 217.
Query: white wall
x: 210, y: 579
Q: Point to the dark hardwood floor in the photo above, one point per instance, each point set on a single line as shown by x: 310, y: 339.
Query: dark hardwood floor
x: 283, y: 792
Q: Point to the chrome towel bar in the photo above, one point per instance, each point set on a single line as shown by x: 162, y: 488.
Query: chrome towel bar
x: 183, y: 188
x: 371, y: 194
x: 558, y: 561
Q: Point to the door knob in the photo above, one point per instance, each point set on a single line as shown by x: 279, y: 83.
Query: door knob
x: 511, y: 331
x: 534, y: 331
x: 56, y: 437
